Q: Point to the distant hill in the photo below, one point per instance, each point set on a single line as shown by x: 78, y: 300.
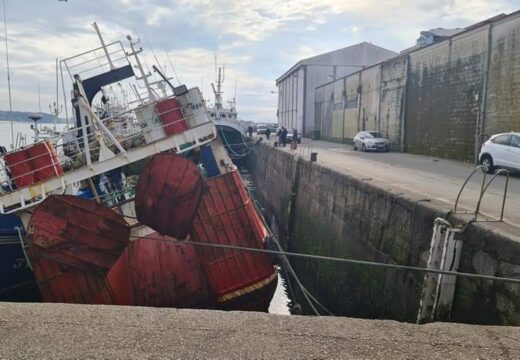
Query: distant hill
x: 24, y: 116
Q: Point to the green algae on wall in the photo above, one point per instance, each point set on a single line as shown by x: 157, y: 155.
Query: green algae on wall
x: 342, y: 216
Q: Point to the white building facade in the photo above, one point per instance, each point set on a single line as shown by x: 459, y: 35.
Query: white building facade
x: 296, y: 87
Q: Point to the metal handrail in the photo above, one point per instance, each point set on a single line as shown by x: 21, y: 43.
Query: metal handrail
x: 500, y: 171
x: 466, y: 182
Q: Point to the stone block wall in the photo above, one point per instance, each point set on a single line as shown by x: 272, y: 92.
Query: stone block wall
x: 444, y: 86
x: 345, y: 216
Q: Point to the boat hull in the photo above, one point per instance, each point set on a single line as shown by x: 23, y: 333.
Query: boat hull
x: 236, y: 143
x: 17, y: 282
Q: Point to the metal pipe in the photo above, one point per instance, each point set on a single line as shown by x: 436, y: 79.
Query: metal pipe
x: 500, y: 171
x: 94, y: 24
x: 504, y: 198
x: 464, y: 185
x: 64, y: 95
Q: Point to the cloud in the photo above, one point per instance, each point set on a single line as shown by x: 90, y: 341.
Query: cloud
x: 257, y: 40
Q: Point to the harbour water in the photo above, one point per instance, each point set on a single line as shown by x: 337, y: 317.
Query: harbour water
x: 280, y: 304
x: 22, y: 128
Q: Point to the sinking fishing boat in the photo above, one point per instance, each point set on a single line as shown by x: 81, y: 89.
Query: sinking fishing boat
x: 132, y: 207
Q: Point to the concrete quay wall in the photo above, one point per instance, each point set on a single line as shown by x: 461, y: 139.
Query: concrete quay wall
x: 65, y: 331
x: 346, y: 216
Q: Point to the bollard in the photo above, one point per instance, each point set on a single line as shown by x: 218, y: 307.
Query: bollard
x: 314, y: 156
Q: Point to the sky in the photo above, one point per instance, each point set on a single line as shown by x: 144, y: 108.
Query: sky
x: 256, y: 40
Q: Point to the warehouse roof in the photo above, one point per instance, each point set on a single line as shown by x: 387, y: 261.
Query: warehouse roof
x: 360, y: 50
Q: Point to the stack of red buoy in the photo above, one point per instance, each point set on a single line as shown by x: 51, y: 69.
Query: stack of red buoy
x: 33, y: 164
x: 156, y: 268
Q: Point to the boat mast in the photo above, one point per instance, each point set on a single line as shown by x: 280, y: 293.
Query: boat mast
x: 220, y: 81
x: 94, y: 24
x: 8, y: 79
x: 144, y: 76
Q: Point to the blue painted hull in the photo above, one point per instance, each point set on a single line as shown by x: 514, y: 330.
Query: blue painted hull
x: 17, y: 281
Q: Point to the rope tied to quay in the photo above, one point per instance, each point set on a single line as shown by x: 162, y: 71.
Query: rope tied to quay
x: 343, y: 260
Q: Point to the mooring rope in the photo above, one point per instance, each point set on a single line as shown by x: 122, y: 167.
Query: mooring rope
x: 306, y: 293
x: 336, y: 259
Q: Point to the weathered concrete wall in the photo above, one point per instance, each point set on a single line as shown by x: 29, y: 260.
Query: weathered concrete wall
x: 338, y: 110
x: 444, y: 85
x: 502, y: 111
x: 393, y: 85
x: 439, y: 100
x: 370, y: 88
x: 352, y: 105
x: 345, y: 216
x: 326, y: 97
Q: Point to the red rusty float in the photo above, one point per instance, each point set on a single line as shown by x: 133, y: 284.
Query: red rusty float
x: 168, y: 193
x: 158, y: 271
x: 73, y: 242
x: 171, y: 116
x: 227, y: 216
x: 20, y: 167
x: 44, y: 160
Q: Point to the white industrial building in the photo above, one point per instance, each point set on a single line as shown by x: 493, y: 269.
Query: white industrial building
x: 297, y: 85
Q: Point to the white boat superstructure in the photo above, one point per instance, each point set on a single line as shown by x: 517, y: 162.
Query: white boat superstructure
x: 152, y: 122
x: 230, y: 129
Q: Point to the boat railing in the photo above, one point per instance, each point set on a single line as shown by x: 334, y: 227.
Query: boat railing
x: 94, y: 62
x: 29, y: 174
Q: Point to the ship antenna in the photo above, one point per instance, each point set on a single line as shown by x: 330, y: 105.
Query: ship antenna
x: 39, y: 99
x: 8, y: 79
x: 173, y: 68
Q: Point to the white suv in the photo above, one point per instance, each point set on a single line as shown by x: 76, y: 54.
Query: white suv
x: 501, y: 151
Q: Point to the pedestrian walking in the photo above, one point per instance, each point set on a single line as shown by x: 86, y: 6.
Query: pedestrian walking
x: 284, y: 136
x: 250, y: 131
x: 268, y: 133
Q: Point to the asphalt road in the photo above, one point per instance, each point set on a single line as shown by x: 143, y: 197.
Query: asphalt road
x: 61, y: 331
x: 424, y: 176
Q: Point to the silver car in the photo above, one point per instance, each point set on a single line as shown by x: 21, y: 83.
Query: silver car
x: 371, y: 140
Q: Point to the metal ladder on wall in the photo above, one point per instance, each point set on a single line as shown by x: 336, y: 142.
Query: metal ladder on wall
x: 445, y: 249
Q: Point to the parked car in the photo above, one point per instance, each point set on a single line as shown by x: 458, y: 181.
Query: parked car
x: 501, y: 151
x: 290, y: 137
x: 371, y: 140
x: 261, y: 129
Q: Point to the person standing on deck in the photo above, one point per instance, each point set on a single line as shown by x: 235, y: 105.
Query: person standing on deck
x: 267, y: 133
x: 295, y: 136
x: 250, y: 131
x: 284, y: 136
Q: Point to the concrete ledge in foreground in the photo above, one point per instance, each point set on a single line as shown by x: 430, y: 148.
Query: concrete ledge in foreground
x: 86, y: 331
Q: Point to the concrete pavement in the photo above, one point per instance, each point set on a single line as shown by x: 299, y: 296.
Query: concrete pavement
x: 62, y: 331
x: 432, y: 179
